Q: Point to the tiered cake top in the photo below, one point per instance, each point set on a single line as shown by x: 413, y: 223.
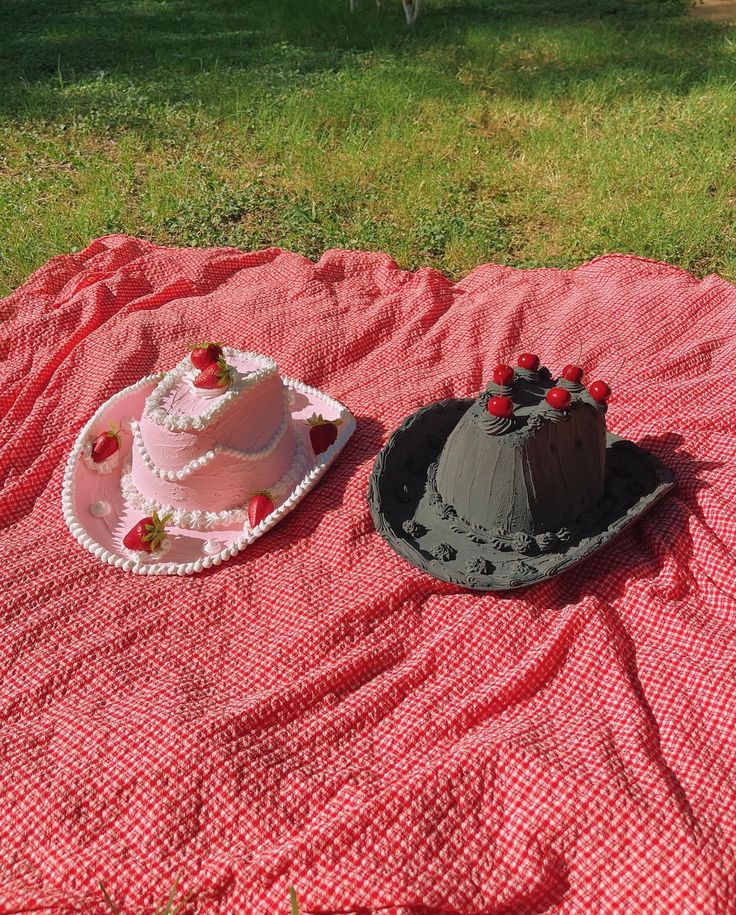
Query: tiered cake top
x: 215, y: 433
x: 179, y: 403
x: 521, y: 399
x: 528, y: 456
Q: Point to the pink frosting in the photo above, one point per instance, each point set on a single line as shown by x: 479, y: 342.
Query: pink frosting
x: 253, y: 422
x: 184, y: 402
x: 248, y: 424
x: 222, y: 484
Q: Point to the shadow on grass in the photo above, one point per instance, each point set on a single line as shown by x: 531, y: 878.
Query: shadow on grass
x: 166, y: 46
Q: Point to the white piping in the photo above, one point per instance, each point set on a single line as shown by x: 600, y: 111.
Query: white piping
x: 155, y: 411
x: 308, y: 482
x: 209, y: 456
x: 206, y: 520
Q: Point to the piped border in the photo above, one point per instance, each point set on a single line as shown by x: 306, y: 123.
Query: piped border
x: 200, y: 520
x: 202, y: 461
x: 307, y: 483
x: 525, y: 575
x: 154, y: 410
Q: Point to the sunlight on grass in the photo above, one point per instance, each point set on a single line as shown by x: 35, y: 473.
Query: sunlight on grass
x: 524, y: 133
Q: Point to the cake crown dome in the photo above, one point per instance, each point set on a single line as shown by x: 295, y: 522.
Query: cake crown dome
x: 538, y: 469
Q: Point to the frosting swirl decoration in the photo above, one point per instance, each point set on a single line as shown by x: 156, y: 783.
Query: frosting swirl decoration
x: 496, y: 425
x: 554, y: 415
x: 499, y: 390
x: 443, y: 552
x: 477, y: 565
x: 527, y: 374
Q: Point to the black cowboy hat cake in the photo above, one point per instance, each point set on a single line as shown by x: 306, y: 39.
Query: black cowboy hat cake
x: 514, y: 486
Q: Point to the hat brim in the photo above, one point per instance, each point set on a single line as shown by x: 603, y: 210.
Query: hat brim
x: 187, y: 554
x: 398, y: 495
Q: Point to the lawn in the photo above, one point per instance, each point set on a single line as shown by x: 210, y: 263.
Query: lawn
x: 526, y: 133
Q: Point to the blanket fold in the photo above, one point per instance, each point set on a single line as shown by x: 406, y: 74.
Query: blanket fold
x: 319, y: 713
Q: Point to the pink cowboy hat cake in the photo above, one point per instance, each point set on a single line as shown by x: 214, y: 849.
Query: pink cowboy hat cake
x: 184, y: 469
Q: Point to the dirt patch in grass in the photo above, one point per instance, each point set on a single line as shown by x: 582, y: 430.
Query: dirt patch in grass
x: 714, y: 10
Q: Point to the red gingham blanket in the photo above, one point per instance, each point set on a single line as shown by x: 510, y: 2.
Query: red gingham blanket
x: 316, y: 711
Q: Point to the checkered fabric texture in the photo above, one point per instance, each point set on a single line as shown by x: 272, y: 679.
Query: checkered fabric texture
x: 318, y: 712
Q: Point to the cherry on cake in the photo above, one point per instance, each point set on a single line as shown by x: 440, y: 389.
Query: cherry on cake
x: 541, y: 447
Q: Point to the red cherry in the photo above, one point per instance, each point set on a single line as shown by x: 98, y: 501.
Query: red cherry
x: 558, y: 398
x: 599, y: 391
x: 528, y: 361
x: 503, y: 375
x: 572, y: 373
x: 501, y: 406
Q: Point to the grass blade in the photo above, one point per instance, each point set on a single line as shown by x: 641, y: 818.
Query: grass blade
x: 113, y: 908
x: 168, y: 908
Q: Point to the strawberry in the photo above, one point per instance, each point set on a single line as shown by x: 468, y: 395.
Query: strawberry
x: 217, y: 375
x: 260, y: 507
x: 204, y: 354
x: 322, y: 432
x: 105, y: 445
x: 148, y: 535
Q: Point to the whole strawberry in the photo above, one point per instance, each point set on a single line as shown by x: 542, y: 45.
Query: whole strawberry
x: 148, y: 535
x: 105, y: 445
x: 322, y: 432
x: 204, y: 354
x: 217, y: 375
x: 260, y: 507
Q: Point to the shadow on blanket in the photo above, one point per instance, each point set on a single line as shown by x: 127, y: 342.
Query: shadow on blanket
x: 327, y: 497
x: 661, y: 538
x: 658, y: 551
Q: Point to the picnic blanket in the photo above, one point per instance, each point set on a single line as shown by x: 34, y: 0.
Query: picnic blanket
x: 317, y: 712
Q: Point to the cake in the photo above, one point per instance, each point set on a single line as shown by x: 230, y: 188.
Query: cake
x: 514, y: 485
x: 201, y: 451
x: 529, y: 455
x: 181, y: 470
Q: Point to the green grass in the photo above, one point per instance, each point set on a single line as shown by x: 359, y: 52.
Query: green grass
x: 525, y: 132
x: 171, y: 906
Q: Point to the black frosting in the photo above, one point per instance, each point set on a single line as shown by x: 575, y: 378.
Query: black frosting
x: 534, y: 474
x: 491, y: 505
